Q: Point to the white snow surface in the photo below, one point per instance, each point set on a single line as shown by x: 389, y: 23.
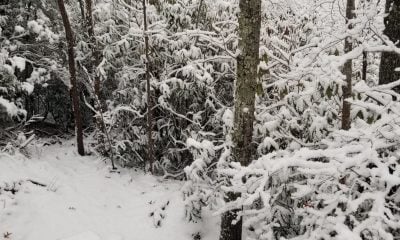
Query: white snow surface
x: 19, y: 29
x: 82, y: 200
x: 19, y: 62
x: 27, y: 87
x: 10, y: 108
x: 84, y: 236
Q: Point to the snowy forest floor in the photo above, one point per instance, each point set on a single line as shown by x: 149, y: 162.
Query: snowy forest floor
x: 82, y: 200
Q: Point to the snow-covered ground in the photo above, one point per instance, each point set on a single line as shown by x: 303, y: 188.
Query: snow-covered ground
x: 82, y: 200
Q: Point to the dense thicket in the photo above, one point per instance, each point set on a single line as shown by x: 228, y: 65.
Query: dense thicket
x: 317, y: 157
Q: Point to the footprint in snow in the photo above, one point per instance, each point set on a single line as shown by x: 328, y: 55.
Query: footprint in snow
x: 158, y: 213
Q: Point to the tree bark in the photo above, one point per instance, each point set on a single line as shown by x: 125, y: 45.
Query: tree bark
x: 365, y: 66
x: 150, y: 147
x: 74, y: 90
x: 231, y: 227
x: 348, y: 69
x: 390, y: 60
x: 82, y: 7
x: 245, y: 91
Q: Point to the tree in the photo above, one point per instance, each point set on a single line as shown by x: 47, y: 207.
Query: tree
x: 348, y: 69
x: 74, y: 88
x: 390, y: 60
x: 245, y: 91
x: 364, y: 66
x: 150, y: 150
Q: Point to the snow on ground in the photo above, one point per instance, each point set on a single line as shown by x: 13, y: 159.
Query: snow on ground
x: 82, y: 200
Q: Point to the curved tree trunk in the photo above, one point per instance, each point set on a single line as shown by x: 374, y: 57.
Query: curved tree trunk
x: 72, y: 71
x: 245, y: 91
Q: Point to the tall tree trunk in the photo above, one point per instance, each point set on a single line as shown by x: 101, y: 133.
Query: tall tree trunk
x: 245, y: 91
x: 390, y: 61
x: 150, y: 148
x: 348, y: 69
x: 72, y: 71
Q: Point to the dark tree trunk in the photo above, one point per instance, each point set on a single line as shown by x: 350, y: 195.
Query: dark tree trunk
x: 365, y: 66
x: 230, y: 231
x: 390, y: 61
x: 72, y: 71
x: 245, y: 91
x: 348, y: 69
x: 150, y: 147
x: 82, y: 7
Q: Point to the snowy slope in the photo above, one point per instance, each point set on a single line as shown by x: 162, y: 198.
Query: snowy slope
x: 83, y: 201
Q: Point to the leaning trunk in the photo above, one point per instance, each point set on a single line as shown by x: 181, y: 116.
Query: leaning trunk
x: 72, y: 72
x: 245, y: 91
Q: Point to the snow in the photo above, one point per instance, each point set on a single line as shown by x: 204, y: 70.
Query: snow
x: 268, y: 143
x: 227, y: 118
x: 84, y: 236
x: 19, y: 62
x: 19, y: 29
x: 10, y: 107
x: 27, y: 87
x: 82, y: 200
x: 35, y: 26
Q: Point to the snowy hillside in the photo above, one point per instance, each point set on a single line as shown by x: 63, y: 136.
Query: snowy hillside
x: 83, y: 201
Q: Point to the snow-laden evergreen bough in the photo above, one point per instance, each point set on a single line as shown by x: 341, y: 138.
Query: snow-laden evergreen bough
x: 309, y: 176
x: 25, y: 68
x: 346, y: 190
x: 191, y: 62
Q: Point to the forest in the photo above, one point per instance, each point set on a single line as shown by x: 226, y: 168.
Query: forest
x: 199, y: 119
